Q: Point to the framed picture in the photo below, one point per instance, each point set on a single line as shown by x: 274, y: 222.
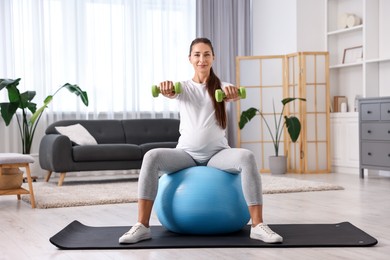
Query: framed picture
x: 353, y: 54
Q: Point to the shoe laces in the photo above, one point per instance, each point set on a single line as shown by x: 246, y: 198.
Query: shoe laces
x: 267, y: 229
x: 134, y: 229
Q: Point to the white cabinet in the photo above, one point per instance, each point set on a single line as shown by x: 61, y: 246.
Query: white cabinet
x: 345, y: 145
x: 364, y: 73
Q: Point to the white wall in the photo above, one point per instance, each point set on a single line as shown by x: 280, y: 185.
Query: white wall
x: 311, y: 32
x: 288, y: 26
x: 274, y: 30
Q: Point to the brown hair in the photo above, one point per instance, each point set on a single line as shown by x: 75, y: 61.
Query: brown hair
x: 213, y: 83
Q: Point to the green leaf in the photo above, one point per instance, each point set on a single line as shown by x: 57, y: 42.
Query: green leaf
x: 5, y: 83
x: 293, y: 126
x: 36, y: 115
x: 13, y: 94
x: 7, y: 111
x: 288, y: 100
x: 48, y: 99
x: 77, y: 90
x: 247, y: 116
x: 32, y: 107
x: 25, y: 99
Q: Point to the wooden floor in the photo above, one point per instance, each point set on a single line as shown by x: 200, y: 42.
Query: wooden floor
x: 25, y: 232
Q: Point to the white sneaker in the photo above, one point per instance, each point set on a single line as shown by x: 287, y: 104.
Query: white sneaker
x: 264, y: 233
x: 137, y: 233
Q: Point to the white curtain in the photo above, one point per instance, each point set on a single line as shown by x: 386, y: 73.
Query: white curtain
x: 113, y: 49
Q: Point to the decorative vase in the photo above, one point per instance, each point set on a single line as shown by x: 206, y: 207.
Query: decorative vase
x: 278, y: 164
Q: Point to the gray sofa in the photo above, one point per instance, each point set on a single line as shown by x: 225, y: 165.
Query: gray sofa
x: 121, y: 145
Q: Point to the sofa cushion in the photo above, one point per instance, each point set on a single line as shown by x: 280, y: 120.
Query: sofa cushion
x: 107, y: 152
x: 104, y: 131
x: 142, y: 131
x: 77, y: 134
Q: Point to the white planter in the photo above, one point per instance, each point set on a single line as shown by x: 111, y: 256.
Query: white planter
x: 278, y: 164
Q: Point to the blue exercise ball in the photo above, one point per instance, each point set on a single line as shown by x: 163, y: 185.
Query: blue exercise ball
x: 201, y: 200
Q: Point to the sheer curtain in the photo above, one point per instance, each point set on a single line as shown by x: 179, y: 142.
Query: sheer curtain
x: 227, y: 23
x: 113, y: 49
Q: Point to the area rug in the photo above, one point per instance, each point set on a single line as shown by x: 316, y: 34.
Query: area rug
x: 344, y: 234
x: 72, y: 194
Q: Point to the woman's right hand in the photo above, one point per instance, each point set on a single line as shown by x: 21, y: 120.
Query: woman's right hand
x: 231, y: 93
x: 167, y: 89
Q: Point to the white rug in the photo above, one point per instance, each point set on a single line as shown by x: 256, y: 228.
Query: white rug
x: 72, y: 194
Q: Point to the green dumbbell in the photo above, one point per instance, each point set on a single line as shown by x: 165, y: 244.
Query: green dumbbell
x: 156, y: 90
x: 220, y: 95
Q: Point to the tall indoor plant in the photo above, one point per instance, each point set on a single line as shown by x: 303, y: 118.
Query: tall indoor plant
x: 291, y: 122
x: 30, y: 115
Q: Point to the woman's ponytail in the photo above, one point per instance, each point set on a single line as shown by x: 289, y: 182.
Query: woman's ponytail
x: 214, y: 83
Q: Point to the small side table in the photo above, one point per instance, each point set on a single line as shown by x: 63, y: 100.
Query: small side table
x: 17, y: 160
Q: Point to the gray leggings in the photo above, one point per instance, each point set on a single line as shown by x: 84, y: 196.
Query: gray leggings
x: 233, y: 160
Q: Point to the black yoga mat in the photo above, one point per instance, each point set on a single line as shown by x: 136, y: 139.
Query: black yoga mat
x: 79, y: 236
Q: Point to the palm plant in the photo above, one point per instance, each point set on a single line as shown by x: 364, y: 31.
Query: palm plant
x: 28, y: 121
x: 291, y: 122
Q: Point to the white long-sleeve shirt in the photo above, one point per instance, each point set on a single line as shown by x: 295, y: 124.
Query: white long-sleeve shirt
x: 200, y: 134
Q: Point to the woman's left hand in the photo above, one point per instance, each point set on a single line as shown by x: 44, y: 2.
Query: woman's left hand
x: 231, y: 93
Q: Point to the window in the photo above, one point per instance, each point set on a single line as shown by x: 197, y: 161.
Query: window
x: 113, y: 49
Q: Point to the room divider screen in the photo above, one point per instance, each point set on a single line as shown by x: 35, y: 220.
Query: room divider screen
x: 269, y: 79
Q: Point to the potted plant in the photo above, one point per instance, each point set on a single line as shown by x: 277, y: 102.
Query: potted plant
x: 278, y: 164
x: 30, y: 115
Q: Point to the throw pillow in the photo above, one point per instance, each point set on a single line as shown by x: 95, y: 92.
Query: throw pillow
x: 77, y: 134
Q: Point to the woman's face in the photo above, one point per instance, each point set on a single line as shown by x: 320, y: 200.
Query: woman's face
x: 201, y: 57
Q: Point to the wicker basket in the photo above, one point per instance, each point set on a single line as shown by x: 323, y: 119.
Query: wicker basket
x: 11, y: 179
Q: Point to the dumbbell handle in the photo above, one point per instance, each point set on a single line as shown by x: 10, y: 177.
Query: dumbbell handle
x: 220, y: 95
x: 156, y: 90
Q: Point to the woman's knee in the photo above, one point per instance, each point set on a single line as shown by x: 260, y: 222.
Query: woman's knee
x: 153, y: 154
x: 245, y: 154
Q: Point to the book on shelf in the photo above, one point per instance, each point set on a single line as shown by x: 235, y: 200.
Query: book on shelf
x: 337, y: 104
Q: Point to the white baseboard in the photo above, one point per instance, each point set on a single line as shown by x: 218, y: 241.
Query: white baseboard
x: 345, y: 169
x: 384, y: 173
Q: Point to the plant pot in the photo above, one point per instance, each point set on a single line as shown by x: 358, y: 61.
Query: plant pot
x: 278, y: 164
x: 11, y: 179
